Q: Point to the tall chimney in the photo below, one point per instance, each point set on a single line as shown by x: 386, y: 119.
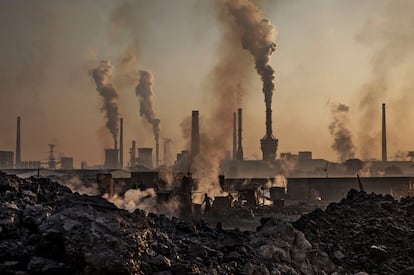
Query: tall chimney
x: 165, y: 153
x: 240, y: 147
x: 18, y: 145
x: 195, y: 135
x: 384, y: 135
x: 157, y: 154
x: 268, y: 142
x: 132, y: 153
x: 234, y: 135
x: 121, y: 144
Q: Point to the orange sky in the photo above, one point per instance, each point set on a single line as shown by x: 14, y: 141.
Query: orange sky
x: 325, y: 52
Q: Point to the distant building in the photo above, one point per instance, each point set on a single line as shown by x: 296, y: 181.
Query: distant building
x: 111, y: 159
x: 32, y: 164
x: 66, y: 163
x: 145, y: 157
x: 6, y: 159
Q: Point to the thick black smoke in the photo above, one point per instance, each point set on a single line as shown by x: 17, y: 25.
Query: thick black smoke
x: 101, y: 75
x: 257, y: 35
x: 339, y: 130
x: 144, y: 92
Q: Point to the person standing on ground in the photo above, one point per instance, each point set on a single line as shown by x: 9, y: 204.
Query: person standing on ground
x: 207, y: 201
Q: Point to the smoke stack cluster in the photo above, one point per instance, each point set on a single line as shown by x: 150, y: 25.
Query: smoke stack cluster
x: 339, y: 130
x: 145, y: 93
x: 101, y: 75
x: 257, y: 35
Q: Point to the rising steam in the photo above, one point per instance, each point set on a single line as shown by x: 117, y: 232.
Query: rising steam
x: 144, y: 92
x: 101, y: 75
x: 340, y: 132
x: 145, y: 200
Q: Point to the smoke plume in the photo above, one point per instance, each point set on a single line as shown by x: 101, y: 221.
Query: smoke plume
x: 339, y: 130
x: 144, y: 92
x: 101, y: 75
x: 77, y: 185
x: 243, y: 28
x: 392, y: 35
x: 257, y: 35
x: 145, y: 200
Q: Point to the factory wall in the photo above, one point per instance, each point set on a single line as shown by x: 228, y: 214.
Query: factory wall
x: 334, y: 189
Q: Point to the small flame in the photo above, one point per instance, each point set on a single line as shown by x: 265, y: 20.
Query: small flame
x: 318, y: 198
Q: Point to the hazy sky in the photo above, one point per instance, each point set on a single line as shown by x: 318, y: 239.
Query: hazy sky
x: 327, y: 51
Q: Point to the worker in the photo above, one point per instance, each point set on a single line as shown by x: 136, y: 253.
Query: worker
x: 186, y: 189
x: 187, y: 183
x: 207, y: 201
x: 230, y: 197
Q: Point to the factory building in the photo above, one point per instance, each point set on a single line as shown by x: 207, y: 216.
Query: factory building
x: 6, y: 159
x: 66, y: 163
x: 145, y: 157
x: 111, y: 158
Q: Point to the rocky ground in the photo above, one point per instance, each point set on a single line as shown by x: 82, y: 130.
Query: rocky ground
x: 47, y: 229
x: 367, y: 232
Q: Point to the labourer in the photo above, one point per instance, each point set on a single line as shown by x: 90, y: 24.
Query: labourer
x: 207, y: 201
x: 186, y: 189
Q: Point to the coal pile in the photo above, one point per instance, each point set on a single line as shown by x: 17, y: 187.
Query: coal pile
x: 364, y: 232
x: 47, y: 229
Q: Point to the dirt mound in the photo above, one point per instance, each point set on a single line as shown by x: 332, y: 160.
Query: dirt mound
x: 47, y: 229
x: 364, y: 232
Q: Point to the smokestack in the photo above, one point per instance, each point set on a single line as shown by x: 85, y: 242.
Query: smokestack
x: 121, y: 144
x: 195, y: 135
x: 269, y: 143
x: 157, y: 154
x: 240, y: 147
x: 384, y: 135
x: 234, y: 135
x: 132, y: 153
x: 18, y: 145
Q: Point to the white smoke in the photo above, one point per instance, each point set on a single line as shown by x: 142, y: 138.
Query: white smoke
x: 145, y: 200
x: 77, y: 185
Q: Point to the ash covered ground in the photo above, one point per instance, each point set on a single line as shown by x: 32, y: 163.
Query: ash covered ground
x: 47, y: 229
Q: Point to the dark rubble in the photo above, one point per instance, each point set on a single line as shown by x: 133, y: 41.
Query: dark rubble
x: 47, y: 229
x: 368, y: 232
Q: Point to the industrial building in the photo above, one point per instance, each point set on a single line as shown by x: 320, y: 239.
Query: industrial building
x: 66, y: 163
x: 6, y: 160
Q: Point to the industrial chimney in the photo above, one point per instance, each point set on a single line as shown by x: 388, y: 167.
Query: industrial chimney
x: 240, y: 147
x: 234, y: 135
x: 132, y: 154
x: 18, y: 145
x: 195, y: 135
x: 121, y: 144
x: 157, y: 154
x: 384, y: 135
x: 268, y: 142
